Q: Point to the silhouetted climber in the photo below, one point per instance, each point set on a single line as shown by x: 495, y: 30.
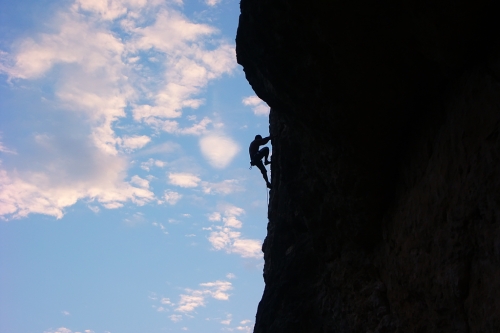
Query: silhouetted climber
x: 256, y: 156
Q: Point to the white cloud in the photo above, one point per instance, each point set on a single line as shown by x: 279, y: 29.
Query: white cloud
x: 111, y: 9
x: 215, y: 216
x: 230, y: 210
x: 219, y: 150
x: 196, y: 298
x: 104, y: 44
x: 172, y: 197
x: 225, y: 187
x: 135, y: 142
x: 231, y: 276
x: 175, y: 318
x: 222, y: 239
x: 66, y: 313
x: 259, y: 107
x: 251, y: 100
x: 189, y: 65
x: 136, y: 180
x: 150, y: 162
x: 166, y: 301
x: 232, y: 222
x: 61, y: 185
x: 188, y: 303
x: 172, y: 126
x: 246, y: 321
x: 227, y: 239
x: 65, y: 330
x: 247, y: 248
x: 212, y: 3
x: 183, y: 179
x: 246, y: 329
x: 218, y: 289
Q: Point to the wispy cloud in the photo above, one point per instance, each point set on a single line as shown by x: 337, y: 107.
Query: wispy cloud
x: 173, y: 127
x: 227, y: 321
x: 225, y: 187
x: 212, y: 3
x: 161, y: 226
x: 6, y: 150
x: 225, y: 237
x: 195, y: 298
x: 106, y: 60
x: 175, y: 318
x: 48, y: 193
x: 65, y: 330
x: 183, y: 179
x: 172, y: 197
x: 259, y: 107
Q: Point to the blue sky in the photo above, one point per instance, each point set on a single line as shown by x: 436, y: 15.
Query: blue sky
x: 126, y: 203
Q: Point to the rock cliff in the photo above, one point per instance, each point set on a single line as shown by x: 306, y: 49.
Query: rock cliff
x: 384, y: 214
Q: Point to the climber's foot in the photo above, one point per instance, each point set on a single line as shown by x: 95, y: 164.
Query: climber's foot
x: 268, y: 185
x: 267, y: 162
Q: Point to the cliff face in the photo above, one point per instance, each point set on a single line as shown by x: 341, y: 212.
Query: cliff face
x: 385, y: 204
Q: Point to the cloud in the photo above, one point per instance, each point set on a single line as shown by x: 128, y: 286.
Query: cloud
x: 226, y: 238
x: 175, y: 318
x: 100, y: 58
x: 228, y: 319
x: 247, y: 248
x: 195, y: 298
x: 184, y: 179
x: 172, y: 126
x: 259, y: 107
x: 246, y: 329
x: 212, y: 3
x: 188, y: 303
x: 136, y: 180
x: 172, y: 197
x: 166, y: 301
x: 161, y: 226
x: 65, y: 330
x: 110, y: 9
x: 215, y: 216
x: 135, y: 142
x: 189, y: 65
x: 225, y: 187
x: 59, y: 186
x: 152, y: 162
x: 232, y: 222
x: 219, y: 150
x: 231, y: 276
x: 6, y: 150
x: 135, y: 219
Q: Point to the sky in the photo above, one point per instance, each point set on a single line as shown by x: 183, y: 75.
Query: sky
x: 126, y: 202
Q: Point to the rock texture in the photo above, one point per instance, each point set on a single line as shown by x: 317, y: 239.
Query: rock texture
x: 385, y: 206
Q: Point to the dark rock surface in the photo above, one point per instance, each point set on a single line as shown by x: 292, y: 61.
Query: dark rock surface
x: 384, y: 213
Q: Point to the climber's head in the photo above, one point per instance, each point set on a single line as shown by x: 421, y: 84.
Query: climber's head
x: 258, y: 137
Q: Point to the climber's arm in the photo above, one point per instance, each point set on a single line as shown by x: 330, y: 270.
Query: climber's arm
x: 265, y: 140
